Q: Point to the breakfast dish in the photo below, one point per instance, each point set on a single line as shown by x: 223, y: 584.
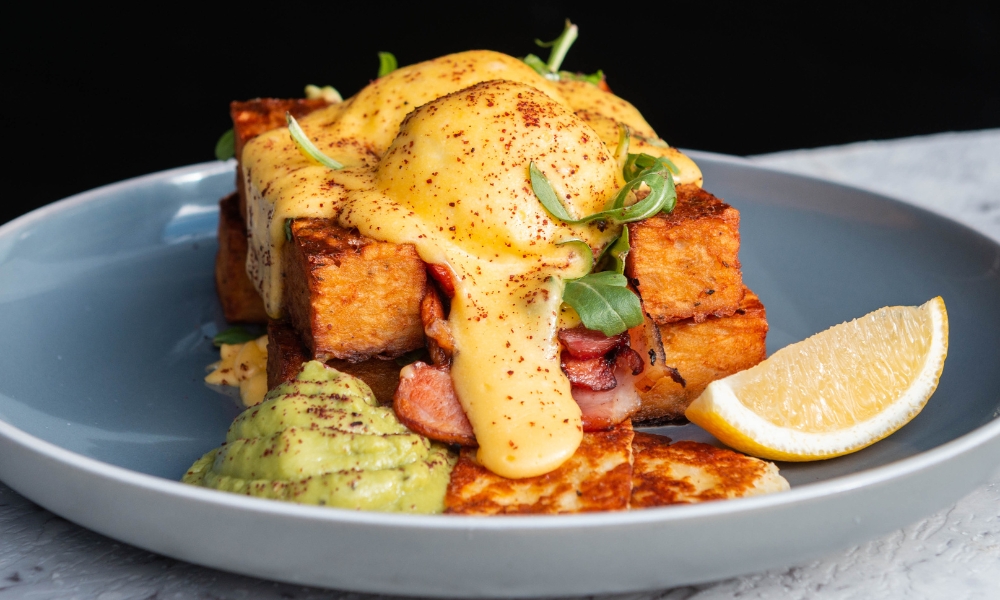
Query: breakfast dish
x: 139, y: 414
x: 515, y: 236
x: 511, y: 257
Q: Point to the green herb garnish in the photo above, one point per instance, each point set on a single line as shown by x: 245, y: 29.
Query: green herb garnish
x: 613, y: 257
x: 288, y: 230
x: 547, y: 196
x: 621, y: 151
x: 603, y: 302
x: 386, y: 63
x: 560, y: 46
x: 601, y: 299
x: 593, y: 78
x: 306, y: 145
x: 537, y: 64
x: 583, y: 249
x: 635, y: 164
x: 225, y: 148
x: 662, y: 195
x: 234, y: 335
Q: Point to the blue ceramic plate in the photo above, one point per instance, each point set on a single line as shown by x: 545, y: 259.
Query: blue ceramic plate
x: 108, y: 308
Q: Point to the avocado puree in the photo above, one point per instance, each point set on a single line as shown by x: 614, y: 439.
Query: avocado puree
x: 322, y: 439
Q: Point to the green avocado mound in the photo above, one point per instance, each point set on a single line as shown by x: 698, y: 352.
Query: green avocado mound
x: 322, y: 439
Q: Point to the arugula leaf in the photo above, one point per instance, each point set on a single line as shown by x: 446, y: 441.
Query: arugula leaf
x: 603, y: 302
x: 583, y: 249
x: 234, y: 335
x: 225, y: 148
x: 636, y: 164
x: 593, y: 78
x: 560, y: 46
x: 537, y: 64
x: 621, y: 151
x: 386, y: 63
x: 662, y: 197
x: 307, y: 147
x: 613, y: 257
x: 606, y: 278
x: 547, y: 196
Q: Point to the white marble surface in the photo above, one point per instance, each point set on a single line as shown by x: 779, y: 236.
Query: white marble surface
x: 954, y: 554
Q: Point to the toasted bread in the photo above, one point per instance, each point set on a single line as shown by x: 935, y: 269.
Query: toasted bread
x: 596, y: 478
x: 685, y: 264
x: 351, y: 297
x: 286, y: 353
x: 701, y: 353
x: 687, y: 472
x: 240, y: 301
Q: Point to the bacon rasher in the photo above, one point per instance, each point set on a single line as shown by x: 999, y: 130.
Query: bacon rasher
x: 426, y: 403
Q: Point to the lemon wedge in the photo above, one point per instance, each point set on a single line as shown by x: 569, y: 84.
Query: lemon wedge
x: 835, y: 392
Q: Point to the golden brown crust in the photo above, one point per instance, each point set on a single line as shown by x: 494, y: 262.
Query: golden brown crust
x: 701, y: 353
x: 685, y: 265
x: 254, y: 117
x: 240, y: 301
x: 286, y: 353
x: 597, y: 477
x: 687, y: 472
x: 351, y: 297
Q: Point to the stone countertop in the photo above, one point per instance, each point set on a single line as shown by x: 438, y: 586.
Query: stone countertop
x: 953, y: 554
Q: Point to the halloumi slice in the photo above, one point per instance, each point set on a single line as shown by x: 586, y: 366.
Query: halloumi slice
x: 597, y: 477
x: 688, y: 472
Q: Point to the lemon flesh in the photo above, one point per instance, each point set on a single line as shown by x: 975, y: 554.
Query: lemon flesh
x: 835, y: 392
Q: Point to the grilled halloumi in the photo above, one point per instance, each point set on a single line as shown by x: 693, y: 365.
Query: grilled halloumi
x: 597, y: 477
x: 616, y: 469
x: 685, y: 472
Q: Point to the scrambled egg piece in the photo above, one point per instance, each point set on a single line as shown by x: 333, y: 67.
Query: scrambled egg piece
x: 243, y: 366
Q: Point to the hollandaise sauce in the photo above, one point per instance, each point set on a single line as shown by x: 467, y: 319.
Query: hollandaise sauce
x: 455, y: 183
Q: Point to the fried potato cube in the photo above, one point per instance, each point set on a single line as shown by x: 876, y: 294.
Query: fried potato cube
x: 688, y: 472
x: 286, y: 353
x: 685, y: 264
x: 597, y: 477
x: 240, y: 301
x: 701, y: 352
x: 254, y: 117
x: 351, y: 297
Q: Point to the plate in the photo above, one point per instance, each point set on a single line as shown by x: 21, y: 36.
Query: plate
x: 108, y: 306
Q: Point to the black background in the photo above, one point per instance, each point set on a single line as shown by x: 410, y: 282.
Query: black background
x: 92, y: 98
